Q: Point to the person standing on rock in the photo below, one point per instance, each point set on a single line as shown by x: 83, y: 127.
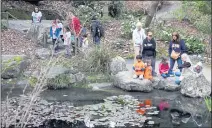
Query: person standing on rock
x: 60, y: 25
x: 54, y: 34
x: 97, y: 30
x: 149, y: 51
x: 138, y: 37
x: 176, y: 49
x: 67, y: 41
x: 75, y: 26
x: 36, y: 22
x: 36, y: 16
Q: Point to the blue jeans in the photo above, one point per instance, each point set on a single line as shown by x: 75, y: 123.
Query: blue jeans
x: 172, y: 62
x: 96, y: 40
x: 177, y: 74
x: 165, y: 75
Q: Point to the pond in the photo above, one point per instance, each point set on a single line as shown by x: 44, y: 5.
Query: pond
x: 81, y: 96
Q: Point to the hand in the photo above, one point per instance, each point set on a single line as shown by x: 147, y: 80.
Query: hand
x: 166, y: 72
x: 145, y: 64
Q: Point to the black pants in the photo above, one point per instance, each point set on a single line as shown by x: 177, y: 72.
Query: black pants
x: 55, y: 45
x: 61, y: 36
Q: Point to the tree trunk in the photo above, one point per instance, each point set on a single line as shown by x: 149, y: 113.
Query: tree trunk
x: 151, y: 13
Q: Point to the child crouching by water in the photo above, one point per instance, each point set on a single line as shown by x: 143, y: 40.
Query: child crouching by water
x: 164, y: 68
x: 148, y: 71
x: 139, y: 68
x: 197, y: 69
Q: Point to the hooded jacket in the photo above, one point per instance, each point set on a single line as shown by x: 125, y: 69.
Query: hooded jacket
x: 149, y: 47
x: 177, y: 47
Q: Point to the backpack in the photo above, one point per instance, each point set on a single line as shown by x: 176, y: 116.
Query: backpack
x: 97, y: 29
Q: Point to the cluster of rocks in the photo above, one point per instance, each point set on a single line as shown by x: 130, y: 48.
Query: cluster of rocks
x: 191, y: 86
x: 116, y: 111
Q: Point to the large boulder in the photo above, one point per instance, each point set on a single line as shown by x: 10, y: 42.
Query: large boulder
x: 39, y: 34
x: 195, y: 86
x: 43, y: 53
x: 117, y: 64
x: 13, y: 65
x: 167, y: 84
x: 61, y: 77
x: 125, y: 81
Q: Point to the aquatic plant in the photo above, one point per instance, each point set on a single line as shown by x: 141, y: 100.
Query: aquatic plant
x: 208, y: 103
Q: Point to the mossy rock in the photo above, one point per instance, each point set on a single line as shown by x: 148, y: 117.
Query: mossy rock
x: 59, y: 82
x: 13, y: 65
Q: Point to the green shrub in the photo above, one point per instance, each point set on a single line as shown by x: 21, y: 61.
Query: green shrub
x: 197, y: 12
x: 194, y: 45
x: 96, y: 60
x: 127, y: 27
x: 61, y: 81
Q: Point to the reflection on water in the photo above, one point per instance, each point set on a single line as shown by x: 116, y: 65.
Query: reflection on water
x: 81, y: 96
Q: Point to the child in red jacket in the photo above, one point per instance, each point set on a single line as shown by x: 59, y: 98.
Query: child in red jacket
x: 164, y: 68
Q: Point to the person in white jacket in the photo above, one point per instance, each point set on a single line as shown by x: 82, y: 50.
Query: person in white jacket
x: 138, y: 37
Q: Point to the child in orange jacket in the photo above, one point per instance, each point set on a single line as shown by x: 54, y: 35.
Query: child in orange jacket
x: 139, y: 68
x: 148, y: 71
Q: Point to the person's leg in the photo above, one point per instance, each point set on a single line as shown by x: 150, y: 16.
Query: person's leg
x: 136, y: 52
x: 135, y: 76
x: 163, y: 75
x: 61, y: 36
x: 179, y: 62
x: 56, y: 45
x: 177, y: 81
x: 97, y: 40
x: 172, y: 61
x: 153, y: 66
x: 141, y: 77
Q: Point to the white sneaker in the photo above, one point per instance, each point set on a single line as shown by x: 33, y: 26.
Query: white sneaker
x: 135, y: 76
x: 141, y: 77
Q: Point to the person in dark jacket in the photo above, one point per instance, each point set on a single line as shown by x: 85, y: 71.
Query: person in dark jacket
x: 96, y: 30
x: 176, y: 45
x: 149, y: 51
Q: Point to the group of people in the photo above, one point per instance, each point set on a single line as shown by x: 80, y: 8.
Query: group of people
x: 71, y: 33
x: 145, y: 56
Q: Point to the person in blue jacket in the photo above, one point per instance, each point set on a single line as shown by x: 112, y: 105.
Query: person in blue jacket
x: 178, y: 46
x: 54, y: 34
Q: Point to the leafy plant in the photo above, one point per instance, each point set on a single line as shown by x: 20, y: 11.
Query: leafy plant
x: 127, y: 27
x: 208, y: 103
x: 194, y: 45
x: 197, y: 12
x: 61, y: 81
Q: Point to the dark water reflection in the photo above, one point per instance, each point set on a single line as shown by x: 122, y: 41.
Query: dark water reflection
x: 82, y: 96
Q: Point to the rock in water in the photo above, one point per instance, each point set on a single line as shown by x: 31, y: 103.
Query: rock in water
x: 118, y: 64
x: 125, y: 81
x: 43, y: 53
x: 13, y: 65
x: 195, y: 86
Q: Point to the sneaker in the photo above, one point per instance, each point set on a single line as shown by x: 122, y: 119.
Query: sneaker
x: 141, y: 77
x: 135, y: 76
